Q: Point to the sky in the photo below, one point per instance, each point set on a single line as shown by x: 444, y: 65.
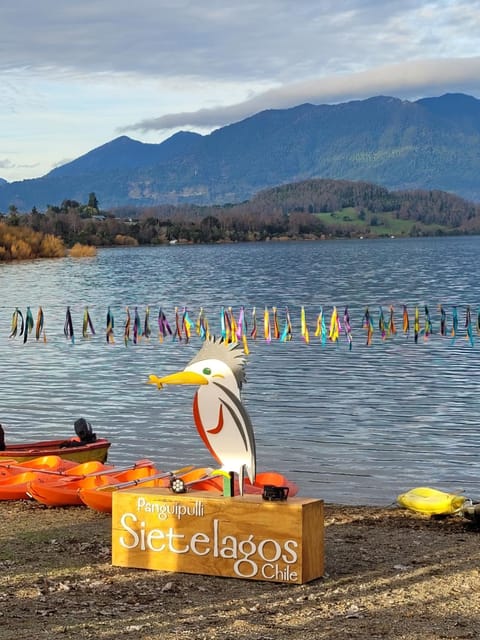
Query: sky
x: 76, y: 74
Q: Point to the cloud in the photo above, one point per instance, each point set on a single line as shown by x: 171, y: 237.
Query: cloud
x: 252, y: 41
x: 5, y: 163
x: 86, y: 70
x: 408, y: 80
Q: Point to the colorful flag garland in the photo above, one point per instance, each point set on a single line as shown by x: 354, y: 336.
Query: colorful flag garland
x: 235, y: 330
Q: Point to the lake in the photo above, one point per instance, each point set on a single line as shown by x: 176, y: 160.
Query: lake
x: 353, y: 426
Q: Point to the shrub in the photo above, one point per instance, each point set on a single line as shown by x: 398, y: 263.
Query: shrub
x: 22, y: 243
x: 52, y: 247
x: 82, y: 251
x: 126, y: 240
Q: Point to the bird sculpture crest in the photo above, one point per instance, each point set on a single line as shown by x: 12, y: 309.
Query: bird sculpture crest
x: 220, y: 417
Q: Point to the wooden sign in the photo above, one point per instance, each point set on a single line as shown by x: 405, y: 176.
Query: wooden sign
x: 204, y: 533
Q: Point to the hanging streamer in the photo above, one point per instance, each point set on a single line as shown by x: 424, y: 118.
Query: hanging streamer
x: 242, y: 330
x: 253, y: 333
x: 39, y: 325
x: 454, y: 324
x: 68, y: 326
x: 321, y: 328
x: 201, y: 326
x: 276, y: 330
x: 28, y: 325
x: 126, y: 329
x: 147, y: 332
x: 87, y: 324
x: 226, y: 326
x: 416, y: 325
x: 392, y: 329
x: 428, y: 324
x: 347, y: 328
x: 186, y: 325
x: 178, y: 329
x: 405, y: 321
x: 242, y: 327
x: 443, y: 321
x: 367, y: 324
x: 267, y: 333
x: 304, y: 327
x: 334, y: 328
x: 17, y: 317
x: 232, y: 327
x: 381, y: 324
x: 137, y: 326
x: 287, y: 332
x: 468, y: 325
x: 223, y: 327
x: 110, y: 327
x: 164, y: 328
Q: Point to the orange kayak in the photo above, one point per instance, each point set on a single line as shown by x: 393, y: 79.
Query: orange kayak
x: 15, y: 486
x: 54, y: 491
x: 10, y: 466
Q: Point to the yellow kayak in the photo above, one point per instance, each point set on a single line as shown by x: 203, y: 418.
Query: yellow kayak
x: 431, y: 501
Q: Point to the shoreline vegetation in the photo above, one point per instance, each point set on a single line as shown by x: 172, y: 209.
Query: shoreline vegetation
x: 310, y: 210
x: 21, y: 243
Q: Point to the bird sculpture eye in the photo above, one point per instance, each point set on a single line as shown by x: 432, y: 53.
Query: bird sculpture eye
x: 207, y: 371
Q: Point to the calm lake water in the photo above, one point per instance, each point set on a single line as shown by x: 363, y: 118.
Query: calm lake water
x: 353, y: 426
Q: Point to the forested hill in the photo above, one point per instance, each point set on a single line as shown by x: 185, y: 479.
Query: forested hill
x: 317, y: 208
x: 432, y: 143
x: 324, y: 196
x: 313, y: 196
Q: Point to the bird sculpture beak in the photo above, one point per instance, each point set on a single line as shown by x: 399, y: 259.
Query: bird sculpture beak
x: 182, y: 377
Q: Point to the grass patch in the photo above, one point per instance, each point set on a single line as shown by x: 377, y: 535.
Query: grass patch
x: 375, y: 224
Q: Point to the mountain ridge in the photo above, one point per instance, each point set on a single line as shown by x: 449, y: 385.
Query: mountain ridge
x: 432, y: 143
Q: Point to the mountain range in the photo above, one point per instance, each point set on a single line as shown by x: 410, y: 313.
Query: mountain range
x: 428, y: 144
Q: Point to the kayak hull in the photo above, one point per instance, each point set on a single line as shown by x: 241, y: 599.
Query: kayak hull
x: 66, y: 449
x: 53, y: 491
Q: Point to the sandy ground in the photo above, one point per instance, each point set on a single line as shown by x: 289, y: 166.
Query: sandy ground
x: 389, y: 574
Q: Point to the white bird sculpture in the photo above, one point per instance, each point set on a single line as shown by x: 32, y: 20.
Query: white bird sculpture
x: 220, y: 417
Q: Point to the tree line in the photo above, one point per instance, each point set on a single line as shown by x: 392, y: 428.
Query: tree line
x: 291, y: 211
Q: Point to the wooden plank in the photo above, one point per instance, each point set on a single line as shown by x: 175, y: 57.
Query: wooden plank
x: 204, y: 533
